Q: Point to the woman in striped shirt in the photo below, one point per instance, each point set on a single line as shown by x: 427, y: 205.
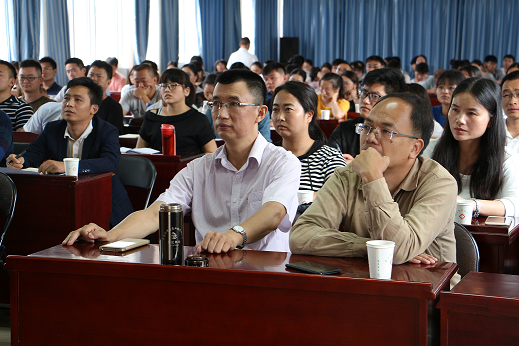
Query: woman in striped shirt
x: 294, y: 113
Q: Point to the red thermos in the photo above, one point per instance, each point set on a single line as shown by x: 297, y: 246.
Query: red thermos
x: 169, y: 144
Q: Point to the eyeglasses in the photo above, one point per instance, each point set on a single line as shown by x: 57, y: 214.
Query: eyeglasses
x: 47, y: 68
x: 508, y: 96
x: 380, y: 132
x: 230, y: 106
x: 373, y: 97
x: 28, y: 78
x: 442, y: 88
x: 164, y: 86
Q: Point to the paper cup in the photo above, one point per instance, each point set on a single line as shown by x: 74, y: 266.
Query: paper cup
x: 305, y: 196
x: 357, y: 108
x: 380, y: 258
x: 325, y: 115
x: 71, y: 166
x: 464, y: 212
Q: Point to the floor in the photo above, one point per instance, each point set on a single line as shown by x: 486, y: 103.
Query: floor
x: 5, y: 325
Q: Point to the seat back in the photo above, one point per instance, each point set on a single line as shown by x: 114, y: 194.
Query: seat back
x: 467, y: 252
x: 7, y: 203
x: 137, y: 172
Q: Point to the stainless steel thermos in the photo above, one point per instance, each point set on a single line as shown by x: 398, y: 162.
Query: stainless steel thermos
x: 171, y: 233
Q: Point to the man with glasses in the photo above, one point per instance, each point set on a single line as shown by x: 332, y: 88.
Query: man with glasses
x: 510, y: 97
x: 19, y: 111
x: 377, y: 83
x: 50, y: 69
x: 242, y: 195
x: 31, y: 82
x: 145, y: 91
x: 388, y: 192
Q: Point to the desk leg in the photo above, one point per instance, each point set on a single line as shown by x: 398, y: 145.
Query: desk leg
x: 14, y: 307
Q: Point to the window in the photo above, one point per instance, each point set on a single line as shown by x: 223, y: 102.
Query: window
x: 189, y: 30
x: 248, y: 22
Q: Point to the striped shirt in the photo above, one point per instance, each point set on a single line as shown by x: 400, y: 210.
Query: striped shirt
x: 19, y: 111
x: 318, y: 164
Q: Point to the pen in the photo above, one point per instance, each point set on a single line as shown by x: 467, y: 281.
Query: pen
x: 16, y: 157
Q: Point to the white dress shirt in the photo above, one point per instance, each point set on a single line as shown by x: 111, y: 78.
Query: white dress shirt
x: 242, y: 55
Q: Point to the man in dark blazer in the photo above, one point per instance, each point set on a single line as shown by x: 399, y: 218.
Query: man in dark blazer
x: 94, y: 141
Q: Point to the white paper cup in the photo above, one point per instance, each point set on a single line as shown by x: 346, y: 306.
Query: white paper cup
x: 325, y: 114
x: 464, y: 212
x: 305, y: 196
x: 357, y: 108
x: 71, y: 166
x: 380, y: 258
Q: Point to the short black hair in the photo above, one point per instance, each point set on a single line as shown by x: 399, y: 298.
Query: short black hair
x: 76, y: 61
x: 472, y: 71
x: 477, y: 62
x: 338, y: 61
x: 32, y: 63
x: 309, y: 61
x: 145, y: 67
x: 422, y: 67
x: 510, y: 56
x: 50, y: 61
x: 327, y: 65
x: 393, y: 80
x: 95, y: 92
x: 291, y: 67
x: 12, y: 69
x: 211, y: 78
x: 511, y: 66
x: 113, y: 61
x: 376, y: 58
x: 173, y: 63
x: 198, y: 59
x: 300, y: 72
x: 491, y: 58
x: 394, y: 62
x: 454, y: 77
x: 238, y: 65
x: 153, y: 64
x: 176, y: 75
x: 244, y: 41
x: 274, y: 66
x: 105, y: 66
x: 297, y: 60
x: 421, y: 115
x: 358, y: 66
x: 511, y: 76
x: 413, y: 61
x: 254, y: 82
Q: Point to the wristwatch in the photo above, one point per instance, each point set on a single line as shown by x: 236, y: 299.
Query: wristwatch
x: 241, y: 230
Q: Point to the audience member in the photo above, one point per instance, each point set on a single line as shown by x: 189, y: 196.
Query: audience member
x: 421, y: 77
x: 417, y: 60
x: 500, y: 73
x: 314, y: 79
x: 74, y: 68
x: 472, y: 149
x: 80, y: 135
x: 326, y: 68
x: 220, y: 66
x: 31, y: 82
x: 489, y: 66
x: 242, y: 54
x: 342, y: 67
x: 374, y: 62
x: 350, y: 82
x: 260, y: 216
x: 447, y: 83
x: 298, y: 75
x: 257, y: 68
x: 144, y: 91
x: 172, y: 64
x: 387, y: 192
x: 117, y: 80
x: 19, y: 111
x: 109, y: 110
x: 193, y: 132
x: 418, y: 90
x: 470, y: 71
x: 6, y: 137
x: 396, y: 63
x: 510, y: 97
x: 332, y: 97
x: 294, y: 115
x: 377, y: 83
x: 358, y: 68
x: 308, y: 65
x: 47, y: 113
x: 274, y: 75
x: 512, y: 68
x: 239, y: 65
x: 50, y: 69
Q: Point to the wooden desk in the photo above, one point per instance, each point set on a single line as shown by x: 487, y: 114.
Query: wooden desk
x: 60, y: 293
x: 498, y: 248
x: 482, y: 309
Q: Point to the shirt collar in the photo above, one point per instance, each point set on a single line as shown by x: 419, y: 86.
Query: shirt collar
x: 255, y: 153
x: 84, y: 135
x: 411, y: 180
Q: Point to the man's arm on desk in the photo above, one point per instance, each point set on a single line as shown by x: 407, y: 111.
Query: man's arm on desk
x: 137, y: 225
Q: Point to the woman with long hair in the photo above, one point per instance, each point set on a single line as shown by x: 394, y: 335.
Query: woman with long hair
x: 447, y: 82
x: 472, y: 149
x: 192, y: 129
x: 332, y: 97
x: 294, y: 112
x: 351, y: 88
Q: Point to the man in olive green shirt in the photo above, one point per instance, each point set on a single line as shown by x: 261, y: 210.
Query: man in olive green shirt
x: 387, y: 192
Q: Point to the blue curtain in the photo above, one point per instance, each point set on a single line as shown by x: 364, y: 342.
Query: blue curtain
x: 441, y: 30
x: 169, y: 32
x: 142, y: 19
x: 24, y: 39
x: 58, y: 39
x: 266, y: 30
x: 221, y: 29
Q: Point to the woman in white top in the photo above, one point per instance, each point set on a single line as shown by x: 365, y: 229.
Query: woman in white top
x: 473, y: 151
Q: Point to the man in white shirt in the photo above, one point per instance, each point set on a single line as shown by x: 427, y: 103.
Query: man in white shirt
x: 242, y: 195
x: 75, y: 69
x: 510, y: 97
x: 242, y: 54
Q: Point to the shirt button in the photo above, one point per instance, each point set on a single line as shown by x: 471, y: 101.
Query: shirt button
x: 234, y: 200
x: 237, y: 177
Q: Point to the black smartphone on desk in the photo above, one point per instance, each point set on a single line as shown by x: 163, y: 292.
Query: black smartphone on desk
x: 313, y: 268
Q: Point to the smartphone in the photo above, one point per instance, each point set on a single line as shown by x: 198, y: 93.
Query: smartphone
x: 499, y: 220
x: 124, y: 245
x: 313, y: 268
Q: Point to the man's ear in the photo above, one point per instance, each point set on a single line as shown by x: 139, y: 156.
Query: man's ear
x: 262, y: 112
x: 94, y: 108
x: 417, y: 148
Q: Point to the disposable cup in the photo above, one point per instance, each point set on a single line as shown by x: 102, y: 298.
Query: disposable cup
x: 357, y: 108
x: 380, y: 258
x: 464, y: 212
x: 305, y: 196
x: 71, y: 166
x: 325, y: 114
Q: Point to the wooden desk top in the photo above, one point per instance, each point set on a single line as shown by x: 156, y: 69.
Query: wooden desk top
x: 264, y: 268
x: 51, y: 179
x: 494, y: 233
